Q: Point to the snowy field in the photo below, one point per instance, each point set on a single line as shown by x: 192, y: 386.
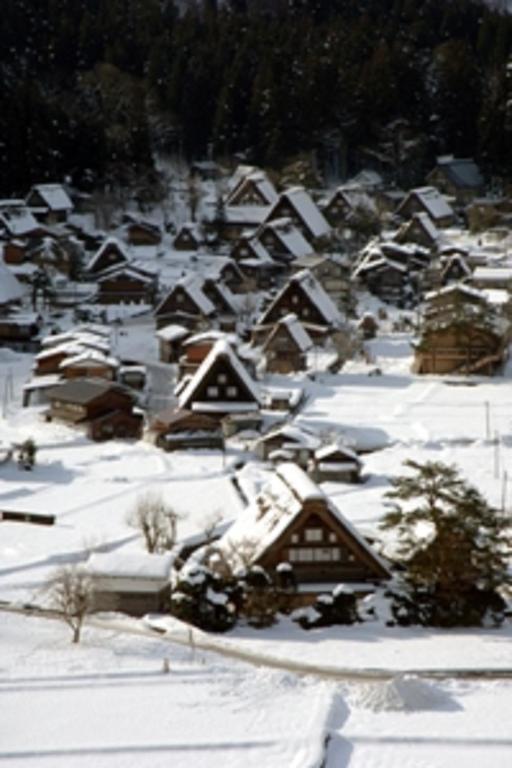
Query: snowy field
x: 107, y: 703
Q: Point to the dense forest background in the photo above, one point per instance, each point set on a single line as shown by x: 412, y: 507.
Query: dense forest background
x: 93, y: 89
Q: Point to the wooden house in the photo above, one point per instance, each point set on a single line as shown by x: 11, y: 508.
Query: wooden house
x: 16, y: 221
x: 135, y: 583
x: 20, y: 331
x: 170, y: 341
x: 188, y: 237
x: 288, y: 443
x: 142, y: 233
x: 221, y: 385
x: 427, y: 200
x: 459, y: 178
x: 103, y: 409
x: 89, y: 364
x: 253, y: 189
x: 285, y: 350
x: 176, y: 430
x: 335, y: 463
x: 126, y: 284
x: 49, y: 203
x: 419, y: 229
x: 220, y: 295
x: 186, y: 304
x: 292, y: 521
x: 388, y: 279
x: 460, y: 333
x: 296, y: 204
x: 346, y: 202
x: 454, y: 268
x: 50, y: 358
x: 15, y: 251
x: 303, y: 296
x: 283, y: 240
x: 333, y: 272
x: 110, y: 254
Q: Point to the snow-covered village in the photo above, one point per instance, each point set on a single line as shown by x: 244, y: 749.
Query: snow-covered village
x: 256, y: 439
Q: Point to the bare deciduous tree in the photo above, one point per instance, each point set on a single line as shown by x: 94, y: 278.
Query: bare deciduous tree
x: 156, y: 520
x: 70, y: 593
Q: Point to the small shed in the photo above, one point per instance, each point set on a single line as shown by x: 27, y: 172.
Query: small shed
x: 132, y: 583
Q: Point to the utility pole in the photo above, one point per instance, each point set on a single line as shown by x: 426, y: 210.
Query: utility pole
x: 504, y: 490
x: 496, y: 455
x: 487, y: 420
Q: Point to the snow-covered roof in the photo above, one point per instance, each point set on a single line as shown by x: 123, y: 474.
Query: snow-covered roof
x: 433, y: 202
x: 291, y: 237
x: 297, y: 331
x: 130, y: 565
x: 260, y: 180
x: 110, y: 241
x: 456, y: 288
x: 18, y: 220
x: 172, y: 332
x: 193, y: 285
x: 267, y: 516
x: 129, y: 271
x: 10, y: 288
x: 89, y: 357
x: 328, y: 450
x: 54, y: 195
x: 295, y: 435
x: 246, y: 214
x: 428, y: 225
x: 492, y: 274
x: 462, y: 172
x: 300, y: 200
x: 220, y: 348
x: 318, y: 296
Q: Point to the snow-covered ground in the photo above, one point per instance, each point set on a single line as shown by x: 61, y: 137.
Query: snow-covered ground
x: 108, y: 703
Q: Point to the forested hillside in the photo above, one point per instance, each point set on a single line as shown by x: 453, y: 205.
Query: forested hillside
x: 91, y: 88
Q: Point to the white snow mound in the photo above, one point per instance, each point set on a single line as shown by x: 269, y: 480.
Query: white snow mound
x: 401, y: 694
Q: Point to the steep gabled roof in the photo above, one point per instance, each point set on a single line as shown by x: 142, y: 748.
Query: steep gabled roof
x: 462, y: 172
x: 54, y: 196
x: 306, y: 281
x: 110, y: 242
x: 432, y: 201
x: 279, y: 505
x: 298, y: 333
x: 221, y: 349
x: 309, y: 213
x: 192, y: 285
x: 291, y: 237
x: 10, y: 288
x: 260, y: 181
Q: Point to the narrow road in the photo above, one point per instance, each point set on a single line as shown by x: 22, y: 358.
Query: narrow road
x: 195, y: 639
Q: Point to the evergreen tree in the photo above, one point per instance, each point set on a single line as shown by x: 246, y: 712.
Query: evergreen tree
x: 454, y: 545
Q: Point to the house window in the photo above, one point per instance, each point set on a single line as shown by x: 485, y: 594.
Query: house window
x: 180, y: 298
x: 232, y: 391
x: 212, y: 391
x: 295, y: 538
x: 295, y: 299
x: 306, y: 312
x: 333, y: 538
x: 222, y: 378
x: 313, y: 534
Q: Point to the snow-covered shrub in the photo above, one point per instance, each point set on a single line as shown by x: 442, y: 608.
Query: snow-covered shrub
x: 338, y: 607
x: 202, y: 598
